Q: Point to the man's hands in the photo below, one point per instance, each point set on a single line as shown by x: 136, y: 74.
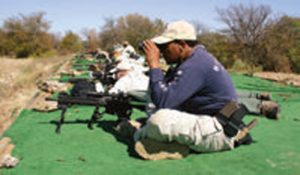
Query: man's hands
x: 152, y: 54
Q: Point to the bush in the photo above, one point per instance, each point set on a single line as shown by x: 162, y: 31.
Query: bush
x: 241, y: 66
x: 70, y: 43
x: 24, y: 36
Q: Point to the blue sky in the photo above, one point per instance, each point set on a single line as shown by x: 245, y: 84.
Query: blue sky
x: 78, y: 14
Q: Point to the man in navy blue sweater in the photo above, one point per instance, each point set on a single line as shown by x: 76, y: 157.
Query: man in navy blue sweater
x: 186, y: 97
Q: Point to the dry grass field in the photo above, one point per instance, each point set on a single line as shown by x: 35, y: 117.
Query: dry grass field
x: 18, y: 79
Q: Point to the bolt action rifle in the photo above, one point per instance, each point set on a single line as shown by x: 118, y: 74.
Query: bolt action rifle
x: 105, y: 76
x: 117, y: 104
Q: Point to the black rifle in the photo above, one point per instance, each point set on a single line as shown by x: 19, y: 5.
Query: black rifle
x: 105, y: 76
x: 117, y: 104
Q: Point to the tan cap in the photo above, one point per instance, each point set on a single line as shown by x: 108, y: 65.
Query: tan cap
x: 178, y: 30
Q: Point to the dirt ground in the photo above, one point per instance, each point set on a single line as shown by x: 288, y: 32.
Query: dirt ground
x: 283, y: 78
x: 18, y: 78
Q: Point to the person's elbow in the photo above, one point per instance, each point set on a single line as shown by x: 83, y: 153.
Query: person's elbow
x: 162, y: 103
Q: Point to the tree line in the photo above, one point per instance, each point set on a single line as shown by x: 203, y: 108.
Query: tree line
x: 253, y: 39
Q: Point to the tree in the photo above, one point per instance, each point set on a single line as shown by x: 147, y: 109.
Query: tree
x: 2, y: 42
x: 200, y: 28
x: 272, y: 49
x: 294, y: 50
x: 133, y: 28
x: 219, y: 45
x: 92, y: 39
x: 70, y: 43
x: 109, y: 35
x: 246, y: 25
x: 26, y: 35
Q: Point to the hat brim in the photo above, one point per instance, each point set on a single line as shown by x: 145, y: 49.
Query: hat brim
x: 114, y: 70
x: 161, y: 40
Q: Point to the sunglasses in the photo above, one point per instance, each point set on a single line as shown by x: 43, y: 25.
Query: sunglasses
x: 162, y: 47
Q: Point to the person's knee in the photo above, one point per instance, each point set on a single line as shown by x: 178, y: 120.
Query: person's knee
x: 161, y: 116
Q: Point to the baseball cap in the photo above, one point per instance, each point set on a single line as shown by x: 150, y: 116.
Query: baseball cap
x: 177, y: 30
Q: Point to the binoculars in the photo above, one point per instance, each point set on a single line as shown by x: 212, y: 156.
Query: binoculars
x: 141, y: 46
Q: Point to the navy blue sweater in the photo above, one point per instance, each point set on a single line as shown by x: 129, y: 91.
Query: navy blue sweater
x: 200, y: 85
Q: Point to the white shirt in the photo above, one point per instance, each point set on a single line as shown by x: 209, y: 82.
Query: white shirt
x: 128, y: 50
x: 134, y: 83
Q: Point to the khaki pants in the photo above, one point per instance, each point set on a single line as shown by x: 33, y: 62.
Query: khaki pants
x: 200, y: 133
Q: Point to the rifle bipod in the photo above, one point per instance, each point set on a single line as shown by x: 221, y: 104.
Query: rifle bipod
x: 62, y: 117
x: 95, y: 116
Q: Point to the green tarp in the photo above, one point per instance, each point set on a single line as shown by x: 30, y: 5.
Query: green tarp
x: 80, y: 151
